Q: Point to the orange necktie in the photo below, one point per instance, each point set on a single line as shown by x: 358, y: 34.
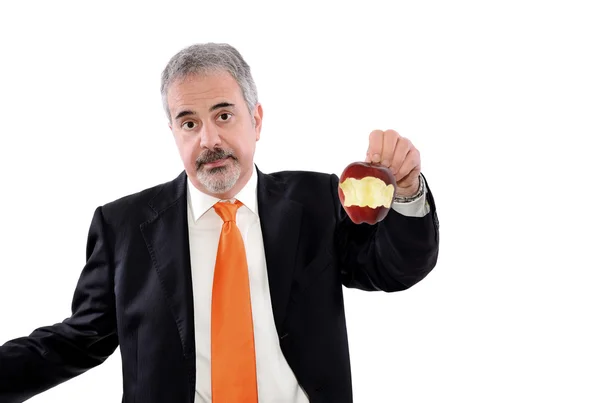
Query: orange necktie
x: 233, y: 364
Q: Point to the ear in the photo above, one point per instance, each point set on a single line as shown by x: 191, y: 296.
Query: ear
x: 258, y: 115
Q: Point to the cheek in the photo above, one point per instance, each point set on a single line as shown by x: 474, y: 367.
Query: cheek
x: 247, y: 143
x: 233, y: 143
x: 187, y: 151
x: 242, y: 149
x: 191, y: 154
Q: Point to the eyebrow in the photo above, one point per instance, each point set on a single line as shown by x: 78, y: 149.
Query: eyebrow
x: 212, y: 108
x: 221, y: 105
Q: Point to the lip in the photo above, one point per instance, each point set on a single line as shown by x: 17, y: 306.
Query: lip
x: 216, y: 163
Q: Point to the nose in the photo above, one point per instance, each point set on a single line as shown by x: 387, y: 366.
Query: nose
x: 209, y: 136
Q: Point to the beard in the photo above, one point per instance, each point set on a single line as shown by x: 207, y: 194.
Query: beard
x: 218, y: 179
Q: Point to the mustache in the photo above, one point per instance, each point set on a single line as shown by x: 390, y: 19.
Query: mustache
x: 212, y: 156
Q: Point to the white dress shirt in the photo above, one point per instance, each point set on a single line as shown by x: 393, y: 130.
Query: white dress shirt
x: 276, y: 381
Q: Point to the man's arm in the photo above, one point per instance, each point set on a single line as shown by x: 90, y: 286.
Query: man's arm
x: 54, y: 354
x: 392, y: 255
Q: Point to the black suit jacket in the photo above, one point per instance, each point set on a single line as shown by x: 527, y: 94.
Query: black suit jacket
x: 135, y: 290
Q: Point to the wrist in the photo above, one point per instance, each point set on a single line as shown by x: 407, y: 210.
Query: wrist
x: 411, y: 194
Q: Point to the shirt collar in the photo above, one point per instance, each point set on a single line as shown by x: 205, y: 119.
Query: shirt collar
x: 200, y: 202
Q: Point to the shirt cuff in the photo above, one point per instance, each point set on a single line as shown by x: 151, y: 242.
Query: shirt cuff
x: 416, y: 208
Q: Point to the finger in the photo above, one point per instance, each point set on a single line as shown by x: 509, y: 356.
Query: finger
x: 402, y: 149
x: 375, y: 146
x: 390, y: 139
x: 411, y: 162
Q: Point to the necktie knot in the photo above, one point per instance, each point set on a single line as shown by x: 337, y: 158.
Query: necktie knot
x: 227, y: 210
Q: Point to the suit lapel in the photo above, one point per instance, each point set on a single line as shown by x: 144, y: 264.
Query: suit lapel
x: 280, y: 220
x: 167, y: 238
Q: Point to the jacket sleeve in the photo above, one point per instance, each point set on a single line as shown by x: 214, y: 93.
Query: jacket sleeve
x: 392, y: 255
x: 51, y: 355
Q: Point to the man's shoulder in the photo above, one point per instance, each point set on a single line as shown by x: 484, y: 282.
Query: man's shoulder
x: 140, y: 201
x: 304, y: 186
x: 301, y: 177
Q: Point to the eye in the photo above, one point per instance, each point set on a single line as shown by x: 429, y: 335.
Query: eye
x: 225, y: 114
x: 189, y: 125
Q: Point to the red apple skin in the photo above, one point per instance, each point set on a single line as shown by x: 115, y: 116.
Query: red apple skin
x: 359, y: 170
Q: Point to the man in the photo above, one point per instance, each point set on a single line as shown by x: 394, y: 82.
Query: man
x: 225, y: 284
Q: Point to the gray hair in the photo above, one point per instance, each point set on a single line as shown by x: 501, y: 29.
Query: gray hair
x: 210, y: 58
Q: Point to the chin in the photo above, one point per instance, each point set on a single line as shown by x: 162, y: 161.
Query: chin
x: 218, y: 180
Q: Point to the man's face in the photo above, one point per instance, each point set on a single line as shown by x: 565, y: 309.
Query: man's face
x: 214, y: 132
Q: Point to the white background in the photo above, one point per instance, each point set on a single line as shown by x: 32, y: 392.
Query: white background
x: 501, y: 98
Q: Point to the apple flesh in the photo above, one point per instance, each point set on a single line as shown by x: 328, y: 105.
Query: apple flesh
x: 366, y: 192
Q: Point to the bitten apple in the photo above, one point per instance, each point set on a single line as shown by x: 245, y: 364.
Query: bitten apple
x: 366, y: 192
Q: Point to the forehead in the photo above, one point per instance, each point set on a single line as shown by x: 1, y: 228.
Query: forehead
x: 201, y: 90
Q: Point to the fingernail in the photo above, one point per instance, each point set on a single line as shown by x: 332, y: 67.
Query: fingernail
x: 385, y: 163
x: 376, y: 157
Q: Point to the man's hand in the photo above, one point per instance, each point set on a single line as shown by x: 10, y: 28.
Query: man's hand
x: 389, y: 149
